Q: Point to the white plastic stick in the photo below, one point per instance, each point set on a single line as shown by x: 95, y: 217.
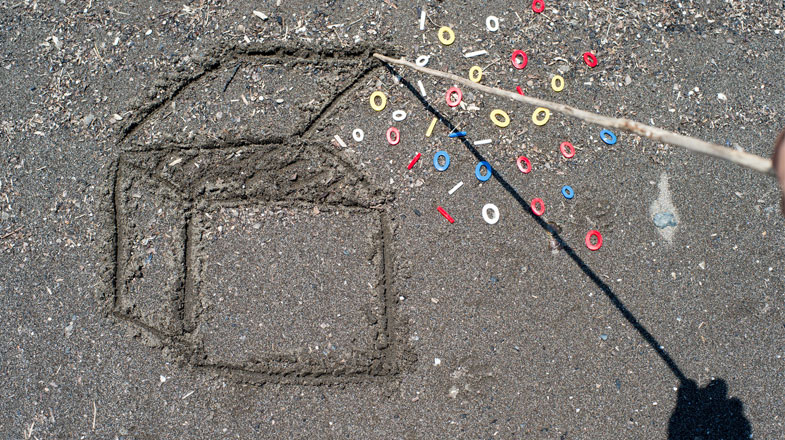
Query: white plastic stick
x: 476, y: 53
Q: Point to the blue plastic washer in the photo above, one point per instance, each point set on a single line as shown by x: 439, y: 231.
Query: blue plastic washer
x: 436, y: 160
x: 567, y: 192
x: 480, y: 177
x: 608, y: 137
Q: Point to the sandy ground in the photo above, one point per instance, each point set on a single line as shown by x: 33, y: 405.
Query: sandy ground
x: 186, y: 251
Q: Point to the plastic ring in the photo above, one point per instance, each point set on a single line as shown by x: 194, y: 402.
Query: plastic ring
x: 449, y: 93
x: 399, y: 115
x: 495, y: 118
x: 485, y: 216
x: 541, y: 204
x: 422, y: 60
x: 436, y: 160
x: 608, y: 137
x: 478, y: 168
x: 545, y: 118
x: 557, y: 79
x: 450, y: 35
x: 514, y: 59
x: 565, y: 153
x: 525, y: 160
x: 538, y: 6
x: 567, y: 192
x: 590, y: 59
x: 382, y: 97
x: 358, y: 135
x: 397, y: 133
x: 596, y: 234
x: 492, y: 23
x: 475, y: 74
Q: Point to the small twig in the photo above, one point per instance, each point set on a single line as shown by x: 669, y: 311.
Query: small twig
x: 236, y: 68
x: 742, y: 158
x: 3, y: 237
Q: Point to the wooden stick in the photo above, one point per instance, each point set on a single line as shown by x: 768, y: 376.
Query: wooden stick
x: 751, y: 161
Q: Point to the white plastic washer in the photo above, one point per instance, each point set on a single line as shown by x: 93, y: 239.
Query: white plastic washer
x: 492, y: 23
x: 422, y: 60
x: 488, y: 219
x: 358, y: 135
x: 399, y: 115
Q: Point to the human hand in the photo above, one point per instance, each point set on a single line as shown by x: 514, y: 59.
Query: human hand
x: 778, y: 159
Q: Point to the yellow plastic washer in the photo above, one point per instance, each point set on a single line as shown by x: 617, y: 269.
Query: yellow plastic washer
x: 450, y: 35
x: 495, y: 118
x: 544, y: 120
x: 382, y: 97
x: 557, y: 79
x: 475, y: 74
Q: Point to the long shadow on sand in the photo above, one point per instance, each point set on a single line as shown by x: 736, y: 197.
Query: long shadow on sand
x: 705, y: 413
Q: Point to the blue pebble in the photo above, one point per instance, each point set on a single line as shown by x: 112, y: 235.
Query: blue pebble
x: 664, y: 219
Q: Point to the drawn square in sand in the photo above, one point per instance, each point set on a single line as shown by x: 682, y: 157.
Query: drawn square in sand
x: 290, y: 289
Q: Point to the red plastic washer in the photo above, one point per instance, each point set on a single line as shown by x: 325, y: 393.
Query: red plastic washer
x: 539, y: 202
x: 596, y: 246
x: 514, y: 57
x: 590, y: 59
x: 538, y: 6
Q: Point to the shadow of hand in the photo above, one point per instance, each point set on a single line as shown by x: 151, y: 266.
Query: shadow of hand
x: 707, y: 413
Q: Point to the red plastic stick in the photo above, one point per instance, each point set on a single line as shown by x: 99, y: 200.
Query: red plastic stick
x: 414, y: 161
x: 444, y: 213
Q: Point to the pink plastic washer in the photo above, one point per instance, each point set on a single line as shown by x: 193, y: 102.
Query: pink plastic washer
x: 564, y: 153
x: 390, y: 132
x: 449, y: 93
x: 525, y: 160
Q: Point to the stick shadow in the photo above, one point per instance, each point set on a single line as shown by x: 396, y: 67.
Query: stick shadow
x: 705, y: 413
